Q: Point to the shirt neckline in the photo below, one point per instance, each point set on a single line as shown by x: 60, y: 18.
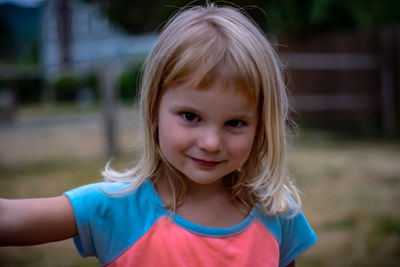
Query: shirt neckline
x: 200, y: 229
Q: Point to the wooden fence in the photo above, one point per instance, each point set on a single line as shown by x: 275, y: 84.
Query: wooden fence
x: 346, y: 77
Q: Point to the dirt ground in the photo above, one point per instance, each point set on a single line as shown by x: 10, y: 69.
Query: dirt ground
x: 350, y: 188
x: 39, y: 137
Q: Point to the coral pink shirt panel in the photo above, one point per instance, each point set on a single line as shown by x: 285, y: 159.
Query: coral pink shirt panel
x: 167, y: 244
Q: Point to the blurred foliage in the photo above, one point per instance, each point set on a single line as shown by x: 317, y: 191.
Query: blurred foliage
x: 147, y: 16
x: 295, y: 17
x: 19, y: 34
x: 6, y: 43
x: 91, y: 82
x: 388, y: 226
x: 27, y: 90
x: 67, y: 87
x: 129, y: 84
x: 287, y: 17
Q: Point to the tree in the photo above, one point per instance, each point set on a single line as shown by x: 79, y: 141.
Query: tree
x: 289, y: 17
x: 302, y: 16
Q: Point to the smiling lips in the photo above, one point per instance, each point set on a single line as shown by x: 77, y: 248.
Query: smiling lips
x: 205, y: 163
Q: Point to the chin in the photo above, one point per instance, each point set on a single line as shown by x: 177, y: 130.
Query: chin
x: 201, y: 180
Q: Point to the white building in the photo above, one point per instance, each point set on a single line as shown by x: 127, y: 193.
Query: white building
x: 94, y: 41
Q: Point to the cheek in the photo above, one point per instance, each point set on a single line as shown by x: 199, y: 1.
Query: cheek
x: 172, y: 137
x: 241, y: 147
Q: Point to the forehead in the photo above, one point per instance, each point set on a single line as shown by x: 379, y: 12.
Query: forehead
x: 223, y: 78
x: 212, y: 92
x: 224, y: 87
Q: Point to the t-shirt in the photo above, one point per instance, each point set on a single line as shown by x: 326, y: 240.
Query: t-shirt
x: 133, y: 229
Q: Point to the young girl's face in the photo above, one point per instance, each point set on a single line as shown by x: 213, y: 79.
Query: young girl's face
x: 206, y: 133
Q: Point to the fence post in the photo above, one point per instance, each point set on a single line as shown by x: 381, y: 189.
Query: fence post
x: 108, y: 79
x: 387, y: 42
x: 397, y: 80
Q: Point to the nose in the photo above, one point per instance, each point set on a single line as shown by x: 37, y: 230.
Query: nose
x: 210, y: 140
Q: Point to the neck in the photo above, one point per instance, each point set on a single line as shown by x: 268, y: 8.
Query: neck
x: 204, y: 204
x: 194, y: 191
x: 205, y: 191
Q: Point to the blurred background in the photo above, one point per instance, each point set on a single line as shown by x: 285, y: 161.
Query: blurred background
x: 68, y: 78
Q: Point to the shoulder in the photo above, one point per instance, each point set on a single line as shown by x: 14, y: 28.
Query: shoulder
x: 102, y: 188
x: 108, y: 191
x: 281, y: 224
x: 98, y: 210
x: 103, y: 198
x: 292, y: 232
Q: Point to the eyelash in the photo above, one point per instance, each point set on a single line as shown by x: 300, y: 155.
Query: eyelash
x: 193, y: 118
x: 238, y: 123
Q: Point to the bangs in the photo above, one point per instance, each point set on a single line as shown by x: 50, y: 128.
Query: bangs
x: 207, y: 58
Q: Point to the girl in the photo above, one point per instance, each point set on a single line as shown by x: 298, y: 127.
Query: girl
x: 211, y: 188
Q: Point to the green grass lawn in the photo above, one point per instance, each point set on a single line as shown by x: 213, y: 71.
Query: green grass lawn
x: 351, y: 197
x: 350, y: 194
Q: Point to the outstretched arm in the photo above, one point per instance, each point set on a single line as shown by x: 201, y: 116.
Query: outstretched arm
x: 36, y: 221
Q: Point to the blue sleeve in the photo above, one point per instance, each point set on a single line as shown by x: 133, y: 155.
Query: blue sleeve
x: 109, y: 224
x: 296, y: 237
x: 90, y: 206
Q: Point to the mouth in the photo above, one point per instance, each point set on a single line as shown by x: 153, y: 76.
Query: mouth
x: 205, y: 163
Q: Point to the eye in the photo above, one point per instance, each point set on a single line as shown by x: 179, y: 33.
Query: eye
x: 235, y: 123
x: 190, y: 116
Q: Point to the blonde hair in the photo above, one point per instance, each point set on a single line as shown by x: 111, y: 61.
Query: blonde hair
x: 202, y: 45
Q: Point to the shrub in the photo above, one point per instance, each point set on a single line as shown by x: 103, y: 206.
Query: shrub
x: 27, y: 90
x: 128, y: 84
x: 66, y: 88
